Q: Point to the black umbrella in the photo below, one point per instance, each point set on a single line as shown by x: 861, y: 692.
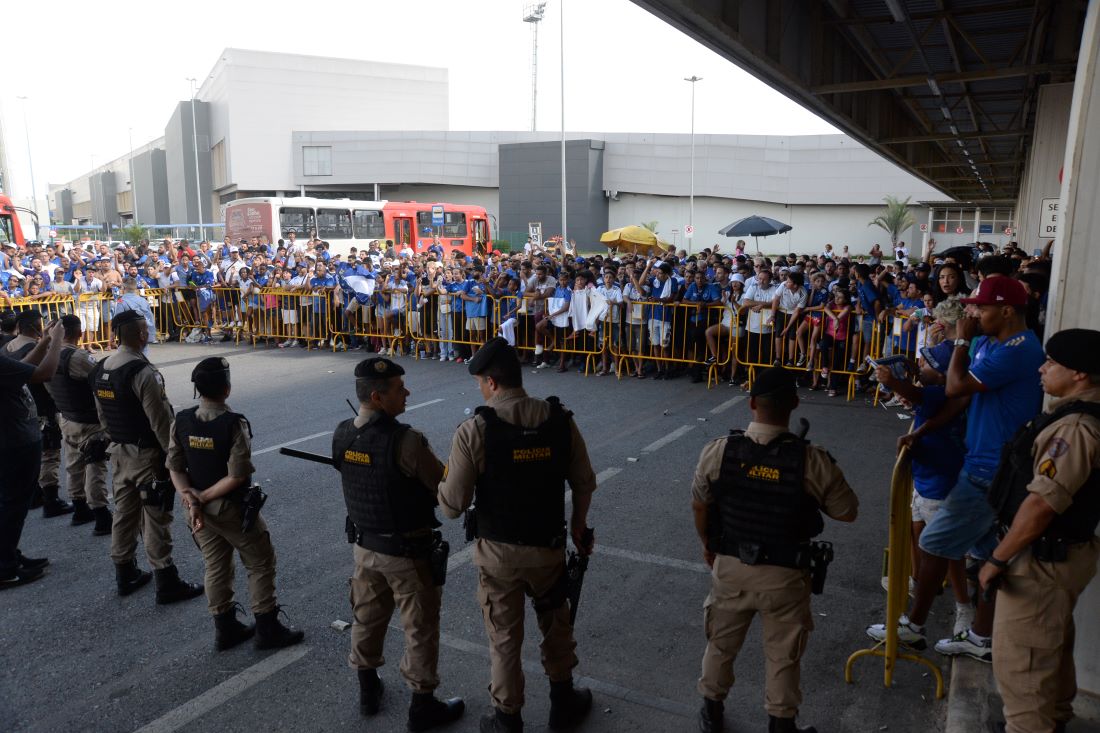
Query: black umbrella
x: 754, y: 226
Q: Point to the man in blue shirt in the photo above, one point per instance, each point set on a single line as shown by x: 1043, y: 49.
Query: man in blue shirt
x: 999, y: 372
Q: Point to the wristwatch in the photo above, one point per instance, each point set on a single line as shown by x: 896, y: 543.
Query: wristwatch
x: 1003, y: 565
x: 962, y: 342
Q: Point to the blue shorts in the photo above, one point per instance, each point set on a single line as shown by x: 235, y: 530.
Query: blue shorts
x: 965, y: 523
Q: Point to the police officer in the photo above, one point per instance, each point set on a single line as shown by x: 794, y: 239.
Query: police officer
x: 513, y: 458
x: 389, y: 476
x: 210, y: 462
x: 135, y: 412
x: 84, y: 438
x: 757, y: 497
x: 28, y: 325
x: 7, y: 326
x: 1047, y: 493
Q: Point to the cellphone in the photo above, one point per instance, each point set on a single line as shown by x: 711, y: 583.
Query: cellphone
x: 1036, y: 252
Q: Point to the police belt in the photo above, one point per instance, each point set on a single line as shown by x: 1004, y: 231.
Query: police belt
x: 1048, y: 548
x: 395, y: 544
x: 799, y: 557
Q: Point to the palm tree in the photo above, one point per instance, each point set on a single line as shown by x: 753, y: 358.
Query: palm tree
x: 650, y: 225
x: 895, y: 219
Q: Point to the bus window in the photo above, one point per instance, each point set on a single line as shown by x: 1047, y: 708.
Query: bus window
x: 299, y: 221
x: 481, y: 232
x: 424, y: 223
x: 7, y: 230
x: 333, y: 223
x: 369, y: 224
x: 454, y: 224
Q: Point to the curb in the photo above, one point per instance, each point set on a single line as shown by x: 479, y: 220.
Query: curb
x: 969, y: 695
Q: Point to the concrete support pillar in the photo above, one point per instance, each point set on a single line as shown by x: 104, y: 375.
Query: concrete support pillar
x: 1043, y: 177
x: 1074, y: 298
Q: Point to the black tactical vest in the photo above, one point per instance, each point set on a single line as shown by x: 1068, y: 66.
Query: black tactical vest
x: 73, y: 396
x: 1016, y: 470
x: 43, y: 403
x: 125, y: 415
x: 5, y: 338
x: 520, y: 498
x: 761, y: 499
x: 206, y: 445
x: 380, y: 499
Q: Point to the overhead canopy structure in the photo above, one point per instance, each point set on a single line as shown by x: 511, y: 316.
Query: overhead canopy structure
x: 945, y: 88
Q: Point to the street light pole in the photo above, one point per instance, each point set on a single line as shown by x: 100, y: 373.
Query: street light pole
x: 691, y: 198
x: 561, y: 46
x: 133, y: 178
x: 195, y: 145
x: 30, y: 160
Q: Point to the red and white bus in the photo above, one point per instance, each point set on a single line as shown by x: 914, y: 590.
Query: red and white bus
x: 347, y: 223
x: 11, y: 231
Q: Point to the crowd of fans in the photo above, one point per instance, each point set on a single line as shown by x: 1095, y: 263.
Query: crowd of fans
x: 668, y: 313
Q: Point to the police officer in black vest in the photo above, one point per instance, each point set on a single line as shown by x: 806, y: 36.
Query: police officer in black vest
x: 757, y: 497
x: 28, y: 324
x: 84, y: 438
x: 390, y: 477
x: 135, y: 411
x: 210, y: 461
x: 1047, y: 497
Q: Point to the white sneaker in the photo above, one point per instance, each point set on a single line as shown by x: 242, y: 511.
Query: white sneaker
x: 442, y: 358
x: 340, y: 347
x: 967, y: 643
x: 964, y: 617
x: 293, y: 344
x: 908, y: 633
x: 543, y: 365
x: 912, y: 585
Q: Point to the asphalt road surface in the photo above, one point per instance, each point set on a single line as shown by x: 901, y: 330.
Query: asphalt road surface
x: 75, y: 656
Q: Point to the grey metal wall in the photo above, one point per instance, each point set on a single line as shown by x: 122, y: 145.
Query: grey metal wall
x: 150, y: 188
x: 530, y: 188
x: 179, y: 154
x: 63, y: 205
x: 104, y: 198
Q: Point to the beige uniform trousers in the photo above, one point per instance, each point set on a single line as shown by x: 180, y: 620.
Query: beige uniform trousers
x: 379, y: 583
x: 49, y: 473
x: 786, y: 619
x: 1033, y: 634
x: 220, y: 535
x: 87, y: 481
x: 503, y: 592
x: 133, y: 466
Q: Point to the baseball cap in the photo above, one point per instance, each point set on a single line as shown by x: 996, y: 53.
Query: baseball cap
x: 999, y: 290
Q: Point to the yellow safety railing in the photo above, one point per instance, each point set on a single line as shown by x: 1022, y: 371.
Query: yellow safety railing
x: 558, y: 335
x: 94, y: 312
x: 160, y: 301
x: 441, y: 323
x: 899, y: 563
x: 668, y: 333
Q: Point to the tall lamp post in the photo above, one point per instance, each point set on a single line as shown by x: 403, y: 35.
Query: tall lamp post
x: 195, y: 146
x: 691, y: 198
x: 30, y: 160
x: 561, y: 46
x: 133, y: 179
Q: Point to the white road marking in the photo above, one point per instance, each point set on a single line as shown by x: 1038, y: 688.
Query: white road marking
x: 668, y: 562
x: 727, y: 405
x: 607, y: 473
x: 197, y: 707
x: 329, y: 432
x: 674, y: 435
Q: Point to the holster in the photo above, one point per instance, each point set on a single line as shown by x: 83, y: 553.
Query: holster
x: 1050, y: 549
x: 253, y: 501
x: 555, y: 597
x: 159, y: 494
x: 94, y: 450
x: 821, y: 554
x: 469, y: 523
x: 51, y: 435
x: 350, y: 530
x: 441, y: 550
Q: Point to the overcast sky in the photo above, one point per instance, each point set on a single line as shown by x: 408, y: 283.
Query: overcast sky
x: 94, y: 71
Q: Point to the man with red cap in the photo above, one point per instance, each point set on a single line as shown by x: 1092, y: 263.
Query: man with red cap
x: 995, y: 364
x: 1047, y: 498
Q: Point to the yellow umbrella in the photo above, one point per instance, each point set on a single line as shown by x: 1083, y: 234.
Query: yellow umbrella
x: 634, y: 239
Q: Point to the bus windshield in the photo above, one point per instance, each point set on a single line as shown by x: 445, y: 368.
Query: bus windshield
x: 7, y: 230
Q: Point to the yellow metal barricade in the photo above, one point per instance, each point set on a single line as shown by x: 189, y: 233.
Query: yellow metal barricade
x: 160, y: 302
x: 724, y: 340
x: 445, y: 324
x: 94, y: 312
x: 374, y: 321
x: 276, y: 317
x: 51, y: 307
x: 898, y: 570
x: 672, y: 334
x: 558, y: 336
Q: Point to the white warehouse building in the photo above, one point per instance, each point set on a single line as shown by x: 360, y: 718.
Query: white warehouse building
x: 265, y: 125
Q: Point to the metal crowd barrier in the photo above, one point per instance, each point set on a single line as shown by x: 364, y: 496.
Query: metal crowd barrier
x: 669, y: 334
x: 444, y: 325
x: 94, y: 312
x: 898, y: 570
x: 560, y: 337
x: 160, y: 301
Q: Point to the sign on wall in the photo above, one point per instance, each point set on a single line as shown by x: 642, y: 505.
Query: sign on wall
x: 534, y: 230
x: 1048, y: 217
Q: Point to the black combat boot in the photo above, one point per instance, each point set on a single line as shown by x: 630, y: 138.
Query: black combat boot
x: 52, y: 506
x: 82, y: 513
x: 370, y: 691
x: 568, y: 705
x: 31, y: 563
x: 499, y: 721
x: 711, y: 718
x: 170, y: 589
x: 427, y: 712
x: 129, y: 578
x: 103, y: 521
x: 787, y: 725
x: 228, y: 631
x: 271, y: 634
x: 36, y: 497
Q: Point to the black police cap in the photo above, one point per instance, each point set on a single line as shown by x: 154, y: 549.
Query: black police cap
x: 377, y: 368
x: 126, y: 316
x: 210, y: 366
x: 1077, y: 349
x: 773, y: 381
x: 495, y: 351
